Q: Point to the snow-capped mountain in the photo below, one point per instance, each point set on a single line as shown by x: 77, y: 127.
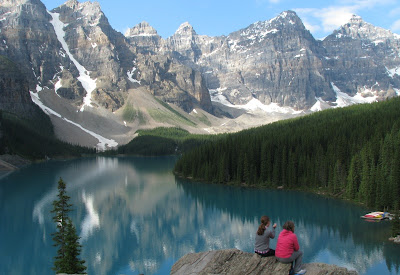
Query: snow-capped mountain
x: 364, y: 59
x: 84, y: 73
x: 278, y: 61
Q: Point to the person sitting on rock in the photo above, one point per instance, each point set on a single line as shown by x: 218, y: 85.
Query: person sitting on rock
x: 264, y: 233
x: 288, y: 249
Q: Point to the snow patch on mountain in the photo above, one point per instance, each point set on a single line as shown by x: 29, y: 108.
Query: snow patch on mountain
x: 57, y: 86
x: 88, y: 84
x: 393, y: 72
x: 103, y: 142
x: 320, y: 105
x: 130, y: 76
x: 251, y: 106
x: 344, y: 100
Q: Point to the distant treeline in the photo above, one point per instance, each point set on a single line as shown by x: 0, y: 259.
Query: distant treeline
x: 349, y: 152
x: 163, y: 141
x: 34, y: 139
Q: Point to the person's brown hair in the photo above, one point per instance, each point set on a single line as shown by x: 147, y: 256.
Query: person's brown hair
x: 289, y: 225
x: 263, y: 224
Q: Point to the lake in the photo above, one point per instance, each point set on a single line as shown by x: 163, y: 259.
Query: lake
x: 134, y: 216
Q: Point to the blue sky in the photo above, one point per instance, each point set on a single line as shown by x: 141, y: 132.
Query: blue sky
x: 221, y: 17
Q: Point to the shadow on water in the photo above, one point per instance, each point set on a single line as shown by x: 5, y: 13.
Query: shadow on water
x: 134, y: 216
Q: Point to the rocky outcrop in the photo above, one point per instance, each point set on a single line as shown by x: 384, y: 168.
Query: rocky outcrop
x: 236, y: 262
x: 99, y: 49
x: 144, y: 37
x: 173, y: 82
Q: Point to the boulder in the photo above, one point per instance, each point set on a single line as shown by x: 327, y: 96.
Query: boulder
x: 236, y: 262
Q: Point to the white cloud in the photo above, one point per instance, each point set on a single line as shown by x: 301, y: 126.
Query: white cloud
x: 328, y: 19
x: 396, y: 26
x: 366, y: 3
x: 334, y: 17
x: 260, y: 2
x: 394, y: 12
x: 311, y: 27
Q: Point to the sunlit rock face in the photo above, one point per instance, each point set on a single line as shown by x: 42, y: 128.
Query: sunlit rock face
x: 74, y: 50
x: 362, y: 58
x: 278, y: 61
x: 28, y: 39
x: 275, y: 61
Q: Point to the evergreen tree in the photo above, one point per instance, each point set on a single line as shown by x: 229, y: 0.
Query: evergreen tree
x: 65, y: 237
x: 73, y: 250
x: 351, y: 152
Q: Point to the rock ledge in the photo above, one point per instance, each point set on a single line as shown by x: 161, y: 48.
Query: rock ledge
x: 236, y: 262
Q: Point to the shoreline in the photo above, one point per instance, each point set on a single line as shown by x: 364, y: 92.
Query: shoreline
x: 320, y: 192
x: 10, y: 163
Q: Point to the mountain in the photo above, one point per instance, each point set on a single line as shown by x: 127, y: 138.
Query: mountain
x: 278, y: 61
x: 99, y: 86
x: 362, y: 58
x: 275, y: 61
x: 74, y: 60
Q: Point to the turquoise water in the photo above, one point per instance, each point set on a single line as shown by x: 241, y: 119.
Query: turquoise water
x: 134, y: 216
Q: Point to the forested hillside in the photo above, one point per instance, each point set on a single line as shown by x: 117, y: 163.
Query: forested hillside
x: 34, y: 139
x: 163, y: 141
x: 349, y: 152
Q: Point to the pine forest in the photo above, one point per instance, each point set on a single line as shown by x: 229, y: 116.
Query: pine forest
x: 349, y: 152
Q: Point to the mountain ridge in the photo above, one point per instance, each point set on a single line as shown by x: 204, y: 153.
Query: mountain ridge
x: 250, y: 77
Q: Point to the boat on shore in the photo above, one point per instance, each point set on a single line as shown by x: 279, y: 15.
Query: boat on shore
x: 377, y: 216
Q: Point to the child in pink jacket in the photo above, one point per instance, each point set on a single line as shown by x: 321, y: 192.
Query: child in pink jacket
x: 288, y: 249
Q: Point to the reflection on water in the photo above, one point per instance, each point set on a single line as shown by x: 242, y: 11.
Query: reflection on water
x: 134, y: 217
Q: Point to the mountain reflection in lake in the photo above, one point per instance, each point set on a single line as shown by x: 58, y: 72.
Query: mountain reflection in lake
x: 134, y: 216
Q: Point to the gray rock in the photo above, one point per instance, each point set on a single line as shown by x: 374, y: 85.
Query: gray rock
x: 14, y: 91
x: 236, y: 262
x: 279, y: 61
x: 359, y: 56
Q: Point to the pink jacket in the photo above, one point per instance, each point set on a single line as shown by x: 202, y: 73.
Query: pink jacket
x: 287, y: 244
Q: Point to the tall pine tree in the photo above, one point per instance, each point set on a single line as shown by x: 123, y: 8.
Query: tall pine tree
x: 65, y: 237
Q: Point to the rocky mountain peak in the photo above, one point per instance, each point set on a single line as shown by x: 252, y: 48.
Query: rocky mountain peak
x: 10, y: 3
x: 185, y: 29
x: 15, y: 3
x: 286, y: 18
x: 141, y: 29
x: 357, y: 28
x: 91, y: 8
x: 259, y: 31
x: 356, y: 19
x: 72, y: 4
